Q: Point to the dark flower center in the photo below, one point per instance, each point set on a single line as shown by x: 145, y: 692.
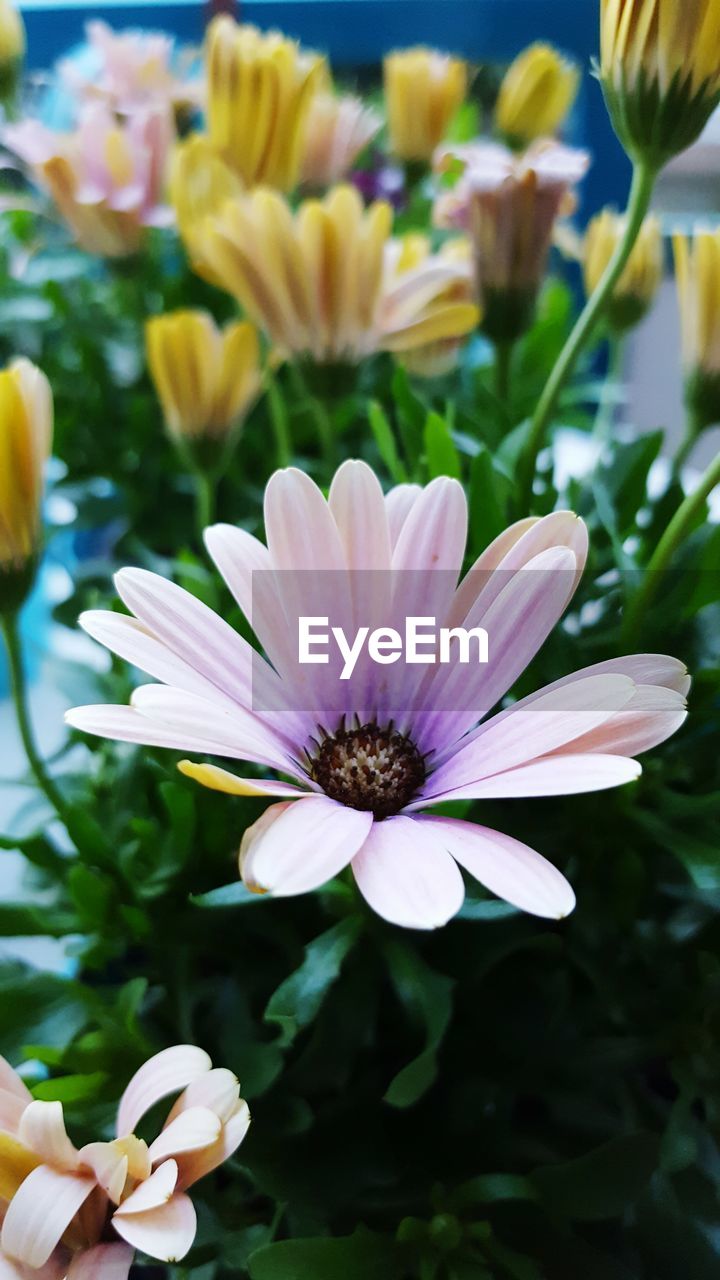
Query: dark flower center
x: 369, y: 768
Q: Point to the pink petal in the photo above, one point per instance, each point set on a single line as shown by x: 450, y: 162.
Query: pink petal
x: 153, y: 1192
x: 166, y: 1073
x: 522, y: 734
x: 560, y: 775
x: 398, y: 504
x: 434, y: 532
x: 192, y: 1130
x: 40, y: 1213
x: 301, y: 533
x: 126, y: 724
x: 11, y: 1082
x: 165, y: 1233
x: 197, y: 1164
x: 103, y: 1262
x: 407, y: 876
x: 109, y: 1166
x: 238, y: 733
x: 42, y: 1128
x: 237, y: 555
x: 11, y: 1109
x: 643, y: 668
x: 358, y: 507
x: 191, y: 630
x: 219, y: 1090
x: 506, y: 867
x: 653, y: 714
x: 304, y: 847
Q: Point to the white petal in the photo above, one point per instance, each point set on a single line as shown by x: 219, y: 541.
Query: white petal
x: 506, y: 867
x: 199, y: 1163
x: 103, y: 1262
x: 358, y: 507
x: 166, y: 1073
x: 398, y: 504
x: 237, y: 555
x: 42, y: 1128
x: 219, y: 1090
x: 40, y: 1213
x: 153, y: 1192
x: 407, y: 876
x: 192, y: 1130
x: 301, y: 533
x: 165, y: 1233
x: 108, y: 1164
x: 11, y: 1082
x: 560, y: 775
x: 304, y: 847
x: 237, y: 733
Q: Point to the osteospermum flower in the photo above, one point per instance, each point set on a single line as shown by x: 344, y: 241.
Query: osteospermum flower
x: 412, y: 253
x: 635, y: 291
x: 319, y: 281
x: 132, y: 70
x: 361, y: 761
x: 107, y: 179
x: 423, y: 90
x: 26, y: 428
x: 536, y: 94
x: 83, y: 1213
x: 508, y: 205
x: 199, y: 184
x: 697, y: 268
x: 337, y: 129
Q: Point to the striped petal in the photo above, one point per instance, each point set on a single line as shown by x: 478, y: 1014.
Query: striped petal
x: 166, y: 1073
x: 197, y: 1164
x: 42, y: 1128
x: 40, y: 1213
x: 191, y: 1130
x: 153, y: 1192
x: 406, y: 875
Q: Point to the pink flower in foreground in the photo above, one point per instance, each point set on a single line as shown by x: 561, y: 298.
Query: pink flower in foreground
x: 107, y: 179
x: 134, y: 69
x: 81, y: 1214
x: 366, y: 757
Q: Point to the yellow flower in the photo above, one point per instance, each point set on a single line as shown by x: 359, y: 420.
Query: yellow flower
x: 660, y: 71
x: 635, y: 290
x: 259, y: 91
x: 423, y: 90
x: 536, y: 94
x: 412, y: 253
x: 12, y: 34
x: 26, y: 425
x: 697, y: 268
x: 317, y: 281
x: 206, y: 378
x: 200, y: 183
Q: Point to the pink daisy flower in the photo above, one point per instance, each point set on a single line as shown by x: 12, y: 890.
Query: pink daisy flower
x: 366, y: 757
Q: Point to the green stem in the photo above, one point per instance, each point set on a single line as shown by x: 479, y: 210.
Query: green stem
x: 638, y: 204
x: 607, y: 403
x: 205, y: 487
x: 280, y: 423
x: 11, y: 634
x: 672, y: 538
x: 503, y: 366
x: 687, y: 444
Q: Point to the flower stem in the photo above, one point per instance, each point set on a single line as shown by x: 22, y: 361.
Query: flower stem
x: 641, y: 190
x: 205, y: 486
x: 280, y: 423
x: 672, y: 538
x: 687, y: 444
x: 18, y: 685
x: 503, y: 365
x: 605, y: 417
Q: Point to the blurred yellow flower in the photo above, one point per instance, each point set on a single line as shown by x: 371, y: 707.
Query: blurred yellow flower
x: 319, y: 281
x: 259, y: 91
x: 200, y: 182
x: 660, y: 71
x: 635, y: 290
x: 337, y: 129
x: 536, y: 94
x: 26, y: 427
x: 412, y: 253
x: 206, y: 378
x: 423, y: 90
x: 12, y: 34
x: 697, y: 268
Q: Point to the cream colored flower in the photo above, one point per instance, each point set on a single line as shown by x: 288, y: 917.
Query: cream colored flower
x: 412, y: 254
x: 660, y: 71
x: 26, y: 427
x: 200, y: 182
x: 316, y: 280
x: 423, y: 90
x: 337, y: 129
x: 536, y: 94
x: 697, y: 269
x: 259, y: 91
x: 635, y: 290
x: 206, y: 378
x: 12, y: 33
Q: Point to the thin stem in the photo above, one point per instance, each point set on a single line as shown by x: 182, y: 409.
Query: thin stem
x: 693, y: 430
x: 11, y: 634
x: 672, y: 538
x: 607, y: 403
x: 205, y: 493
x: 638, y: 204
x: 503, y: 366
x: 280, y: 423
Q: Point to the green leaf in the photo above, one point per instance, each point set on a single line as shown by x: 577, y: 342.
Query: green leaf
x: 39, y: 1008
x: 440, y: 452
x: 298, y: 1000
x: 601, y: 1184
x: 23, y: 920
x: 68, y: 1089
x: 228, y: 895
x: 362, y: 1256
x: 428, y: 997
x: 385, y: 441
x: 489, y: 491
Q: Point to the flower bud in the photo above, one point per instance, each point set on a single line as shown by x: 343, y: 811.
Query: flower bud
x: 660, y: 72
x: 12, y: 46
x: 697, y: 269
x: 536, y: 95
x: 26, y: 426
x: 423, y: 90
x: 635, y: 290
